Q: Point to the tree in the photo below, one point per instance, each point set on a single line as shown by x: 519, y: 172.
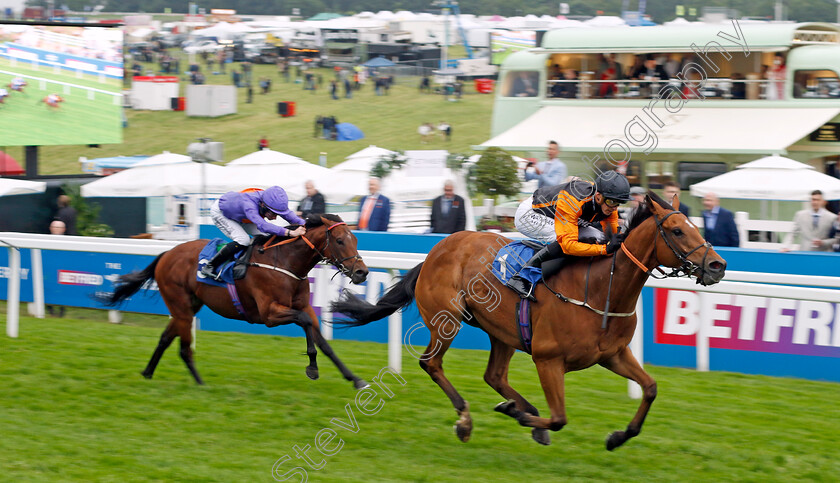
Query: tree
x: 495, y: 174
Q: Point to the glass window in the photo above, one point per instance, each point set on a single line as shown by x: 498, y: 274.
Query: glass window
x: 689, y: 173
x: 816, y: 84
x: 521, y: 83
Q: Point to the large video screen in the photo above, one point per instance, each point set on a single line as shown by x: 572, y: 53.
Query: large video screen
x: 506, y: 42
x: 60, y: 84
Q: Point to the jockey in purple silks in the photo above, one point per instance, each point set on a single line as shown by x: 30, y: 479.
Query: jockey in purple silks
x: 240, y: 214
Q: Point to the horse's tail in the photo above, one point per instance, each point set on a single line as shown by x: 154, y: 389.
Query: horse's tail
x: 362, y: 312
x: 128, y: 284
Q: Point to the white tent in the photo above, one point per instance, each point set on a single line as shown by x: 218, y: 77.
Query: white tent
x: 770, y: 178
x: 223, y: 31
x: 156, y: 180
x: 267, y: 156
x: 349, y: 180
x: 164, y: 158
x: 266, y: 168
x: 20, y: 187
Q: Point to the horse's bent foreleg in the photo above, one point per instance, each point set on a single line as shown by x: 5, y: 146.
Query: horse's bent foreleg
x: 552, y: 377
x: 166, y: 339
x: 496, y: 377
x: 625, y: 364
x: 432, y: 362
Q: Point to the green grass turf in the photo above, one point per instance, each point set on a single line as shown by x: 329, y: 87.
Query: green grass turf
x: 387, y: 121
x: 26, y: 120
x: 74, y: 408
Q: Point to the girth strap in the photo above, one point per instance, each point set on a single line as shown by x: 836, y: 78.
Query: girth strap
x: 523, y: 323
x: 234, y: 296
x: 277, y: 269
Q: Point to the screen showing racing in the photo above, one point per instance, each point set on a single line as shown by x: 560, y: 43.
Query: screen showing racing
x: 60, y: 84
x: 506, y: 42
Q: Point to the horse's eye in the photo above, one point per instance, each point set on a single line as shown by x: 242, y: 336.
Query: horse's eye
x: 339, y: 241
x: 677, y: 232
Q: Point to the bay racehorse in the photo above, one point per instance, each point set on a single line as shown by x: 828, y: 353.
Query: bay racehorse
x: 275, y: 290
x: 569, y: 331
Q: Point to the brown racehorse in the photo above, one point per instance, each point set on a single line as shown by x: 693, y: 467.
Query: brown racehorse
x: 275, y: 291
x: 454, y: 285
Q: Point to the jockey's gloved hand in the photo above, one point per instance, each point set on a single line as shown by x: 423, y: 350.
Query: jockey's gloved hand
x: 615, y: 242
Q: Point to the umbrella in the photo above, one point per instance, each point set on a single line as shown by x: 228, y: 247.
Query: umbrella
x: 20, y: 187
x: 9, y: 165
x: 378, y: 62
x: 770, y: 178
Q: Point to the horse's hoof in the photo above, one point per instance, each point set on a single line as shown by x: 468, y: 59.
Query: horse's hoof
x: 463, y: 432
x: 146, y: 375
x: 312, y: 373
x: 541, y: 436
x: 615, y: 440
x: 506, y: 407
x: 360, y: 384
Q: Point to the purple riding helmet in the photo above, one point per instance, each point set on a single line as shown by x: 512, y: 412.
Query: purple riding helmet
x: 276, y: 200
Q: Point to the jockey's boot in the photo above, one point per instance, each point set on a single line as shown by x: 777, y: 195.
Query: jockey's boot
x: 219, y: 259
x: 525, y: 288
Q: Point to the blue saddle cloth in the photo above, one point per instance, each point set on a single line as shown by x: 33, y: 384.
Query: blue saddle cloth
x: 509, y: 261
x: 206, y: 254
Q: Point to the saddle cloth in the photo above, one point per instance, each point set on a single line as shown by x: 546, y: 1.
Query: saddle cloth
x: 226, y: 270
x: 511, y: 257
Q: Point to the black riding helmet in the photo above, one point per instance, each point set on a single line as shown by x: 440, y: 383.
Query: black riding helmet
x: 613, y: 185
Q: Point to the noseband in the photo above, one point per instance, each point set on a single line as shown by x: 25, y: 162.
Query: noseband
x: 686, y: 269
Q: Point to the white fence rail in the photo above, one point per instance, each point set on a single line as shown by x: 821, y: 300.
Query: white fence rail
x: 783, y: 286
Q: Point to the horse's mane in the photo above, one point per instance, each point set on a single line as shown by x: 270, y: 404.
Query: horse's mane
x: 643, y: 212
x: 312, y: 221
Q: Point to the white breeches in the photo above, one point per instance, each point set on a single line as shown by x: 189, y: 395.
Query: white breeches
x: 534, y: 224
x: 238, y: 232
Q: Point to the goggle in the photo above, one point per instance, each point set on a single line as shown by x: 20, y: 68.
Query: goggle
x: 611, y: 202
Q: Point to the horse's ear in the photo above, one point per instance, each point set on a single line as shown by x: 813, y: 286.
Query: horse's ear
x: 675, y: 203
x: 655, y: 207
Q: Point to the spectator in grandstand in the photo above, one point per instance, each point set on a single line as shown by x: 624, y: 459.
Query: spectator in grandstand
x: 448, y: 211
x: 67, y: 215
x: 374, y: 209
x: 812, y: 226
x: 672, y: 189
x: 719, y: 223
x: 314, y: 201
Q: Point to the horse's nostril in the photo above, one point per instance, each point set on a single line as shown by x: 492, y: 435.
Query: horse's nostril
x: 717, y: 266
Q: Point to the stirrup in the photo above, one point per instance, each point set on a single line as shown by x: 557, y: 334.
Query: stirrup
x: 207, y: 270
x: 522, y: 287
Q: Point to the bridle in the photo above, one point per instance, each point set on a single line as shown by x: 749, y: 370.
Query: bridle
x: 342, y: 268
x: 687, y: 268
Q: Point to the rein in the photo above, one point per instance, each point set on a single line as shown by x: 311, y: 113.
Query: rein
x: 337, y: 263
x: 685, y: 270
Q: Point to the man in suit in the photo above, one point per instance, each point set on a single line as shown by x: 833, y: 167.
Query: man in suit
x: 719, y: 223
x: 374, y: 209
x: 313, y: 203
x: 812, y: 226
x: 448, y: 211
x: 672, y: 189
